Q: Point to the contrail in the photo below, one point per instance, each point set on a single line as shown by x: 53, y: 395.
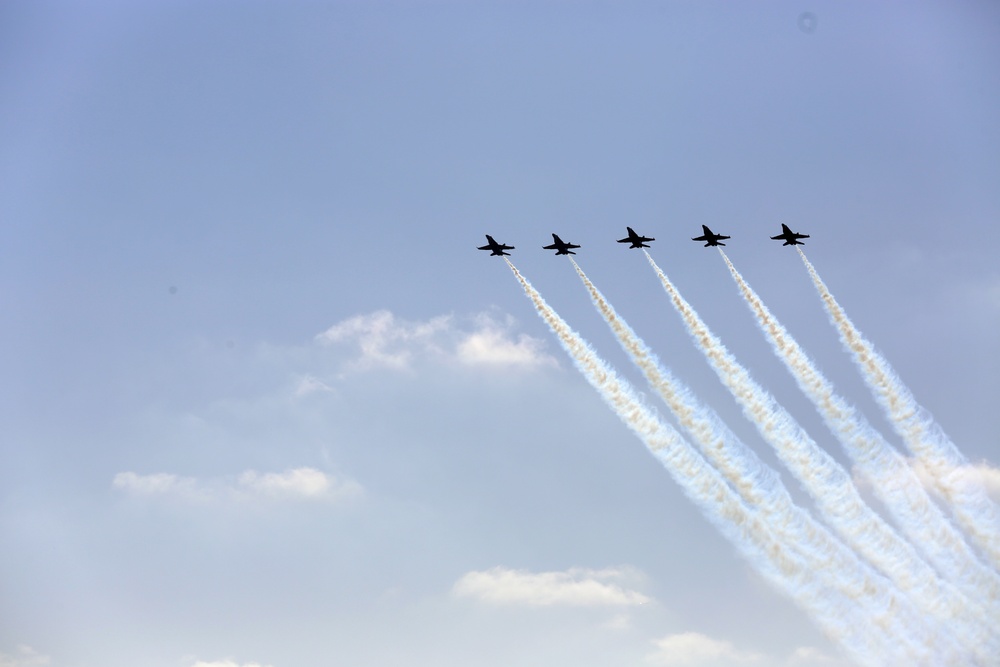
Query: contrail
x: 950, y: 472
x: 833, y: 491
x: 878, y: 638
x: 890, y: 476
x: 760, y: 486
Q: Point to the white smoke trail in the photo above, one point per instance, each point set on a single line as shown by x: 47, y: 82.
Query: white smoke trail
x: 891, y: 477
x: 947, y: 466
x: 756, y: 482
x: 835, y: 494
x: 875, y: 639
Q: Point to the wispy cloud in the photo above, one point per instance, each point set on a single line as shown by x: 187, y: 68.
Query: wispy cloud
x: 293, y: 484
x: 296, y: 483
x: 491, y: 344
x: 384, y: 341
x: 227, y: 663
x: 309, y: 384
x: 24, y: 656
x: 573, y: 587
x: 991, y: 479
x: 693, y: 649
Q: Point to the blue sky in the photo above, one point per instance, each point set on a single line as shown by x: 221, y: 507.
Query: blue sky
x: 266, y: 404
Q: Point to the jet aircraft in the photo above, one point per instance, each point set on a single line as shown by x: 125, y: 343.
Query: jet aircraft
x: 789, y: 237
x: 495, y: 248
x: 636, y: 240
x: 560, y: 246
x: 709, y: 238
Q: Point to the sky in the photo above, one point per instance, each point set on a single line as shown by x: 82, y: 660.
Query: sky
x: 265, y: 404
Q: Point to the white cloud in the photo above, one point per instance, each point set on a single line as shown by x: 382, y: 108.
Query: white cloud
x: 159, y: 484
x: 574, y: 587
x: 491, y: 345
x: 807, y: 656
x: 227, y: 663
x: 296, y: 483
x: 693, y: 649
x: 990, y: 476
x: 385, y: 341
x: 982, y: 473
x: 24, y: 656
x: 310, y: 385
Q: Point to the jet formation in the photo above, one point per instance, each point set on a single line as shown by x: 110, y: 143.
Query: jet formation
x: 638, y: 241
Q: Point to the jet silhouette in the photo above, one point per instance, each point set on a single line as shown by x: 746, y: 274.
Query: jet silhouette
x: 560, y: 246
x: 789, y: 237
x: 495, y: 248
x: 636, y: 240
x: 709, y: 237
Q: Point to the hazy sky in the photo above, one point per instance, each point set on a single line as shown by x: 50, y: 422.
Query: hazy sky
x: 266, y: 404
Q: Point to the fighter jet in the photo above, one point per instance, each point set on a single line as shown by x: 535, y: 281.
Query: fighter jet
x: 789, y: 237
x: 709, y: 238
x: 495, y: 248
x: 560, y: 246
x: 636, y: 240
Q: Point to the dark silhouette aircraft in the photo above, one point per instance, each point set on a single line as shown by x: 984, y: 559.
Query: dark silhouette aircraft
x: 560, y: 246
x: 636, y: 240
x: 709, y: 238
x: 495, y: 248
x: 789, y: 237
